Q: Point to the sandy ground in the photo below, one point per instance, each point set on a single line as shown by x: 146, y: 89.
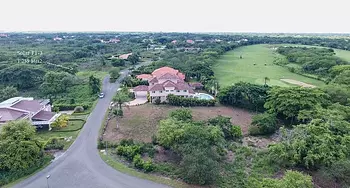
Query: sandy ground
x: 299, y: 83
x: 141, y: 122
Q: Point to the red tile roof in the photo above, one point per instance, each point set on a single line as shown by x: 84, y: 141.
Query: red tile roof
x: 163, y: 70
x: 141, y: 88
x: 168, y: 76
x: 144, y: 76
x: 43, y: 116
x: 8, y: 114
x: 153, y: 80
x: 156, y: 87
x: 31, y: 106
x: 169, y: 84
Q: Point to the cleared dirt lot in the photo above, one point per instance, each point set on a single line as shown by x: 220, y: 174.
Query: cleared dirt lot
x: 141, y: 122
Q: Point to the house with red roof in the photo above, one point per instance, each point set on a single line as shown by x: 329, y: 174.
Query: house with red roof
x: 162, y: 82
x: 36, y: 111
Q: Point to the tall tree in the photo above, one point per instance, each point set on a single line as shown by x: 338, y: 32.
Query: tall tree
x: 133, y: 59
x: 19, y: 149
x: 288, y: 102
x: 95, y: 84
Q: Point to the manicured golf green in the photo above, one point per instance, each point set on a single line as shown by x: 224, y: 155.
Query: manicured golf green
x: 230, y: 69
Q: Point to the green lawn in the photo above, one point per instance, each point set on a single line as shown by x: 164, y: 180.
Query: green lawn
x: 72, y: 125
x: 230, y: 69
x: 97, y: 74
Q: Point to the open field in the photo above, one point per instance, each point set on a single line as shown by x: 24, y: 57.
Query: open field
x: 231, y: 69
x: 141, y: 122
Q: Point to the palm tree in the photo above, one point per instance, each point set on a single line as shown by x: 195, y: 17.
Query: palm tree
x: 266, y: 79
x: 120, y: 98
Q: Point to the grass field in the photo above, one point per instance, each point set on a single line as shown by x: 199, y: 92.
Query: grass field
x: 230, y: 69
x: 141, y: 122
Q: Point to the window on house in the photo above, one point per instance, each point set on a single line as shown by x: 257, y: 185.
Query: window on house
x: 178, y: 91
x: 185, y: 90
x: 166, y: 90
x: 171, y: 90
x: 160, y: 91
x: 153, y: 91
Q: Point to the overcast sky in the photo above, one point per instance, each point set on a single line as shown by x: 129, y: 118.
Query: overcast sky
x: 311, y: 16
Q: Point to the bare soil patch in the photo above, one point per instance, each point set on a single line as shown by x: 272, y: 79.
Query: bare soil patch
x: 141, y: 122
x: 299, y: 83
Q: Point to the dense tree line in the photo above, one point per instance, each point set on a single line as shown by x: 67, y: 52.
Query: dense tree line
x: 312, y: 60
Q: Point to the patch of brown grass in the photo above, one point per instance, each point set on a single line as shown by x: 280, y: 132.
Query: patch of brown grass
x: 141, y: 122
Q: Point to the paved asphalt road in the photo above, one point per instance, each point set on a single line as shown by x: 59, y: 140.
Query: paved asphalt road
x: 81, y: 166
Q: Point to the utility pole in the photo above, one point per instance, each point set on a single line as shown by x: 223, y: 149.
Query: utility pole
x: 47, y: 180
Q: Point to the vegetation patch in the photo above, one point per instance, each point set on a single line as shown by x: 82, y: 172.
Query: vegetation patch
x: 141, y: 122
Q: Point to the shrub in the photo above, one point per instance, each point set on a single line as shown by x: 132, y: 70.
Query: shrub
x: 129, y: 151
x: 79, y: 109
x: 137, y: 161
x: 60, y: 122
x: 54, y: 143
x: 118, y: 112
x: 157, y: 101
x: 126, y: 142
x: 263, y: 124
x: 183, y: 114
x: 148, y: 166
x: 186, y: 102
x: 236, y: 132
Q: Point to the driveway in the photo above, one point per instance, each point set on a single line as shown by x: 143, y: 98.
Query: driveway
x: 137, y: 101
x: 81, y: 165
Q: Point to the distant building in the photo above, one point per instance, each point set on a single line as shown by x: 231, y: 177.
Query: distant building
x: 125, y: 56
x: 57, y: 39
x: 3, y: 35
x: 190, y: 41
x: 173, y: 42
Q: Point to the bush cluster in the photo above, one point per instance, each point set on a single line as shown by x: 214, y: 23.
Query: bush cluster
x: 263, y: 124
x: 54, y: 143
x: 180, y: 101
x: 132, y: 152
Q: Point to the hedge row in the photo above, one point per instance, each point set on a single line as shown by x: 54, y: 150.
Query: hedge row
x: 180, y: 101
x: 62, y: 107
x: 72, y: 119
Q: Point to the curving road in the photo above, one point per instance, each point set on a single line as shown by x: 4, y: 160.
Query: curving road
x: 81, y: 165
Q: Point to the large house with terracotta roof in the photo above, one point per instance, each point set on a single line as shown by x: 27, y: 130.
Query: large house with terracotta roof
x: 162, y: 82
x: 36, y: 111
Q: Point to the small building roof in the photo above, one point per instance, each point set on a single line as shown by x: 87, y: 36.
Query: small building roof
x: 141, y: 88
x: 144, y: 76
x: 43, y: 116
x: 28, y: 105
x: 8, y: 114
x: 156, y: 87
